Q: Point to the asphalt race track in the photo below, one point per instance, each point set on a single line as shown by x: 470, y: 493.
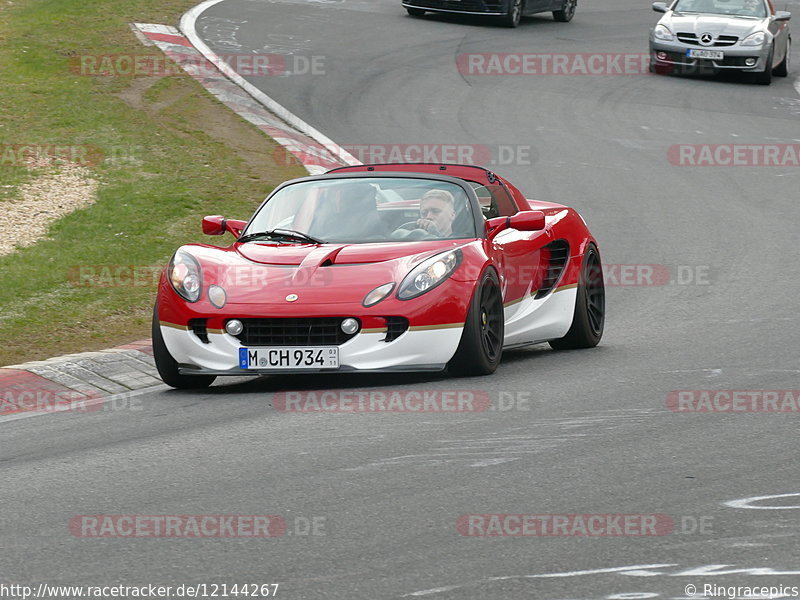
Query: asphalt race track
x: 372, y: 501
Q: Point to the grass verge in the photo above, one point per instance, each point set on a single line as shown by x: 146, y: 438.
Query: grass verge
x: 171, y: 153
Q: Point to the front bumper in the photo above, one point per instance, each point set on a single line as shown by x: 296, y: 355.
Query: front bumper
x: 735, y: 57
x: 483, y: 7
x: 418, y: 349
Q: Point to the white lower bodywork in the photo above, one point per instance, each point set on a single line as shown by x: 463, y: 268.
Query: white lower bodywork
x: 530, y: 321
x: 427, y: 349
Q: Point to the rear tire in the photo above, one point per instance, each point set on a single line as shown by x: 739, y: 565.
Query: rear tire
x: 590, y: 306
x: 514, y: 15
x: 567, y: 11
x: 415, y: 12
x: 168, y: 367
x: 481, y: 345
x: 782, y: 70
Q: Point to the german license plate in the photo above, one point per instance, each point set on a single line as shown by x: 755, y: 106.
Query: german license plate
x: 709, y: 54
x: 319, y: 357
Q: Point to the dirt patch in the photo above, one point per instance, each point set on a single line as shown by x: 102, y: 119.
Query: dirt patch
x: 26, y: 219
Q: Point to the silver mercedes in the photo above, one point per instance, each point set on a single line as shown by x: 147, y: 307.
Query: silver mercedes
x: 717, y: 35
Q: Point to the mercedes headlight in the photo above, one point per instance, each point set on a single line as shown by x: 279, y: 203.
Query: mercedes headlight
x: 184, y: 275
x: 755, y: 39
x: 428, y: 274
x: 662, y: 32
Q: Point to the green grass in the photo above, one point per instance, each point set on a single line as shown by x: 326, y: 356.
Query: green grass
x: 179, y: 154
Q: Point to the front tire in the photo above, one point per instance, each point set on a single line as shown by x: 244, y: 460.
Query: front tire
x: 567, y: 11
x: 765, y: 78
x: 168, y: 367
x: 588, y: 319
x: 481, y: 343
x: 782, y: 70
x: 514, y: 15
x: 415, y: 12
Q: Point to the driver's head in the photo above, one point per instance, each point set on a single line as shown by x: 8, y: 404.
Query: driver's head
x: 439, y: 206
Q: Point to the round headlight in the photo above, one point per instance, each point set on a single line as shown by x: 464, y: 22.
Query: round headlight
x: 234, y: 327
x: 423, y: 281
x: 184, y: 275
x: 349, y: 326
x: 428, y: 274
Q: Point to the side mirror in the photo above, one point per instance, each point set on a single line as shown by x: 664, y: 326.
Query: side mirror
x: 660, y: 7
x: 782, y: 15
x: 214, y: 225
x: 526, y: 220
x: 219, y: 225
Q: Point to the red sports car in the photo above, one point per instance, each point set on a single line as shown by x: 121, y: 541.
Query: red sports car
x: 400, y: 267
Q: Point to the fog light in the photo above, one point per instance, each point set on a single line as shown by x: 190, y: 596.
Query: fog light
x: 217, y: 296
x: 661, y: 55
x: 750, y: 62
x: 349, y: 326
x: 234, y: 327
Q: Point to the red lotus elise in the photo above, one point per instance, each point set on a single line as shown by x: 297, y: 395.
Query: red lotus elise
x: 399, y: 267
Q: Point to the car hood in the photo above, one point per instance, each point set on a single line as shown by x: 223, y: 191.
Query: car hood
x: 713, y: 24
x: 333, y: 254
x: 256, y: 273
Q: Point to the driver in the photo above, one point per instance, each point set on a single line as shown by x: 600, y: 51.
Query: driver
x: 437, y: 211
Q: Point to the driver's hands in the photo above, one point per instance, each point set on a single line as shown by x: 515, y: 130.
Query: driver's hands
x: 428, y: 226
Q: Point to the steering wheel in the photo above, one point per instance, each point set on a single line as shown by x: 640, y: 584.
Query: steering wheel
x: 412, y: 226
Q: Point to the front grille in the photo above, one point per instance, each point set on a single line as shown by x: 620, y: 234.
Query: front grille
x: 198, y: 327
x: 320, y: 331
x: 720, y: 42
x: 726, y: 40
x: 558, y: 258
x: 395, y: 327
x: 459, y: 5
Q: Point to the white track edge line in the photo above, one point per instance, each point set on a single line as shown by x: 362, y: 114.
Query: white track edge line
x: 188, y: 27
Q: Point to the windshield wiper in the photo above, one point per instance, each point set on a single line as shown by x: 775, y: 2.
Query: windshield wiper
x: 290, y: 234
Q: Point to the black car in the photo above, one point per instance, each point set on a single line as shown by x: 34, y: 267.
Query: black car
x: 509, y: 11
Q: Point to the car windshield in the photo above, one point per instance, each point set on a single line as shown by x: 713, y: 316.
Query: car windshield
x: 365, y: 210
x: 740, y: 8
